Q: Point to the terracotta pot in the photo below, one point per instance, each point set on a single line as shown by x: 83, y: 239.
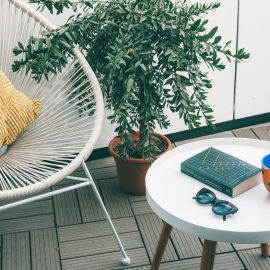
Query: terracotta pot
x: 131, y: 172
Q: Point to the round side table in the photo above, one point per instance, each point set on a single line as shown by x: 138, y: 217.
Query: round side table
x: 169, y: 193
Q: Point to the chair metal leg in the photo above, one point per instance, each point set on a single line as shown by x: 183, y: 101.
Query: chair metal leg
x: 125, y: 260
x: 45, y: 195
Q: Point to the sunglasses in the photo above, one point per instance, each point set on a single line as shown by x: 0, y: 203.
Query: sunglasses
x: 219, y: 207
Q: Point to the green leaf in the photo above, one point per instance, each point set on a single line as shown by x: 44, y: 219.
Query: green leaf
x: 227, y: 44
x: 210, y: 34
x: 185, y: 104
x: 143, y: 67
x: 195, y: 25
x: 146, y: 51
x: 130, y: 84
x: 168, y: 52
x: 216, y: 40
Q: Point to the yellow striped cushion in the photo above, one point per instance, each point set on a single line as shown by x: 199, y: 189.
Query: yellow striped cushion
x: 3, y: 128
x: 17, y: 111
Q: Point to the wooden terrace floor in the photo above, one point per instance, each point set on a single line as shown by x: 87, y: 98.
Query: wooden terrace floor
x: 69, y: 232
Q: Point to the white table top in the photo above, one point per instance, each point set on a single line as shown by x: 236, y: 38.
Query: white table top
x: 170, y: 192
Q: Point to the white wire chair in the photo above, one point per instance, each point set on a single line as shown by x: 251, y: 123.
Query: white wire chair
x: 64, y: 134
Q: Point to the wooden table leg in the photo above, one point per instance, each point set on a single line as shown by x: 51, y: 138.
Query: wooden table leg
x: 162, y: 243
x: 265, y: 250
x: 208, y: 256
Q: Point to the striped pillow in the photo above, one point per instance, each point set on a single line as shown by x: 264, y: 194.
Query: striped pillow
x: 17, y: 111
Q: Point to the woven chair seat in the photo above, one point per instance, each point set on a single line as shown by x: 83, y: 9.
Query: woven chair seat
x: 64, y: 134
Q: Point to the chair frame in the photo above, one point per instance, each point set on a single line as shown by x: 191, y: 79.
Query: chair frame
x: 80, y: 158
x: 82, y: 182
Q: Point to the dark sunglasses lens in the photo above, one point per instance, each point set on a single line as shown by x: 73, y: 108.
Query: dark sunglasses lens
x: 222, y: 208
x: 205, y: 198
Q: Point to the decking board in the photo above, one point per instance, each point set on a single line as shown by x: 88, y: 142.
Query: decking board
x: 96, y: 229
x: 106, y: 261
x: 253, y: 260
x: 186, y: 245
x: 141, y: 208
x: 245, y: 246
x: 73, y: 225
x: 26, y: 224
x: 224, y: 247
x: 66, y: 206
x: 226, y: 261
x: 16, y: 251
x: 262, y: 132
x: 150, y: 227
x: 134, y: 198
x: 115, y: 200
x: 98, y: 245
x: 44, y: 250
x: 90, y: 209
x: 32, y: 209
x: 244, y: 133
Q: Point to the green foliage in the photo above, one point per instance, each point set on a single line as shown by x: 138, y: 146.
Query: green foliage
x: 60, y: 5
x: 147, y: 54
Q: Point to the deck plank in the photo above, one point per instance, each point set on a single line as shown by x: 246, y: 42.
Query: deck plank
x: 244, y: 133
x: 66, y: 206
x: 98, y: 164
x: 144, y: 267
x: 98, y: 245
x: 44, y: 250
x: 262, y: 133
x: 136, y: 198
x: 104, y: 173
x: 98, y: 173
x: 26, y: 224
x: 115, y: 200
x: 16, y: 251
x: 245, y: 246
x: 96, y: 229
x: 224, y: 247
x: 31, y: 209
x: 90, y: 208
x: 101, y: 163
x: 108, y: 261
x: 253, y: 260
x: 186, y: 245
x: 150, y: 227
x: 141, y: 208
x: 226, y: 261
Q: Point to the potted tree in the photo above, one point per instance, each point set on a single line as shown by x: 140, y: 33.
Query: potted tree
x: 148, y: 55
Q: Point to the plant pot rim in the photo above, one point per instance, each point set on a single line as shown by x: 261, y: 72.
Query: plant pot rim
x: 139, y: 160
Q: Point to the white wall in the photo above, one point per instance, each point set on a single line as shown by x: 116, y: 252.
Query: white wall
x: 222, y: 81
x: 54, y: 18
x: 253, y: 77
x: 252, y: 81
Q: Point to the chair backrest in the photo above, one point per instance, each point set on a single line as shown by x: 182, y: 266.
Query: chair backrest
x: 72, y: 108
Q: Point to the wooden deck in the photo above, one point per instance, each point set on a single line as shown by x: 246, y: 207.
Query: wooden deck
x: 69, y: 232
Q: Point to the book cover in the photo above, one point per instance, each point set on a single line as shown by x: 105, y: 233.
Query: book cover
x: 222, y: 171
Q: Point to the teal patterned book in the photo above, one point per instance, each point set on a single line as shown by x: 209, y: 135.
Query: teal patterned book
x: 222, y: 171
